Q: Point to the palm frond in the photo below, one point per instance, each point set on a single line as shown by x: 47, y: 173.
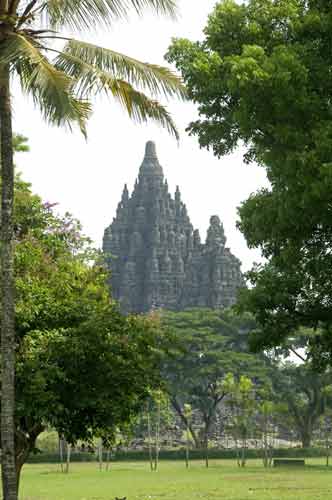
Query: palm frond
x: 91, y: 80
x: 51, y: 88
x: 77, y: 55
x: 78, y: 14
x: 140, y: 108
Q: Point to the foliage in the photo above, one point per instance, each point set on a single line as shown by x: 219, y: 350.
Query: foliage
x: 267, y: 420
x: 82, y: 367
x: 155, y: 421
x: 207, y: 345
x: 242, y: 402
x: 62, y: 86
x: 261, y: 78
x: 20, y: 143
x: 304, y: 396
x: 48, y: 442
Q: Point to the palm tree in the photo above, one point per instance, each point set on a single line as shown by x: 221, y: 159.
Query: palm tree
x: 61, y: 81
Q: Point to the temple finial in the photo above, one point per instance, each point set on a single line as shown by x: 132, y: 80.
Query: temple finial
x: 150, y: 166
x: 150, y: 150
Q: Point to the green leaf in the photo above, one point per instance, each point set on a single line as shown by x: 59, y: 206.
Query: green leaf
x: 51, y: 88
x: 83, y: 14
x: 91, y: 63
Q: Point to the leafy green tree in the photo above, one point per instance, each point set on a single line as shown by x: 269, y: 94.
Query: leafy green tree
x: 82, y: 368
x: 61, y: 87
x: 324, y: 430
x: 207, y: 344
x: 305, y: 395
x: 261, y: 78
x: 20, y: 143
x: 266, y: 412
x: 154, y: 423
x: 242, y: 403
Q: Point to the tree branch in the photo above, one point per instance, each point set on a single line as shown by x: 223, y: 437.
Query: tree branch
x: 27, y: 12
x: 297, y: 354
x: 29, y: 8
x: 179, y: 411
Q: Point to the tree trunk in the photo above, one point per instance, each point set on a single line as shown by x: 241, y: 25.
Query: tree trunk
x: 100, y: 454
x: 187, y: 447
x: 237, y: 452
x: 265, y: 442
x: 157, y: 438
x: 207, y: 426
x: 206, y: 447
x: 20, y: 461
x: 24, y: 444
x: 61, y: 453
x: 178, y: 409
x: 149, y: 438
x: 108, y: 457
x: 204, y: 436
x: 306, y: 440
x: 243, y: 452
x: 327, y: 448
x: 9, y: 487
x: 68, y: 457
x: 306, y: 435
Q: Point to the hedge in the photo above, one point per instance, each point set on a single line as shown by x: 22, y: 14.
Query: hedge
x: 179, y: 454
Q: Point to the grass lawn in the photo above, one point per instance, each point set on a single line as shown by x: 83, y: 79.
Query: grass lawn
x: 172, y: 481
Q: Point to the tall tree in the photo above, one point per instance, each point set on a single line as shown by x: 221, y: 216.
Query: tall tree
x: 242, y: 402
x: 81, y: 367
x: 262, y: 78
x: 207, y: 346
x: 61, y: 88
x: 305, y: 396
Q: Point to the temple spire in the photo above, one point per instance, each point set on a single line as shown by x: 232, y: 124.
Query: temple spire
x: 150, y: 150
x: 125, y: 195
x: 151, y: 166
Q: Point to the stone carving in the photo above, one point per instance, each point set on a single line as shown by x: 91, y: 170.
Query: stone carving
x: 157, y: 259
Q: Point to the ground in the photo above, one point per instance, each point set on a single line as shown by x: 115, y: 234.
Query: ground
x: 172, y: 481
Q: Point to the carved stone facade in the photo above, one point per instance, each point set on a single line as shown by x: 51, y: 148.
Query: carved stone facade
x: 157, y: 259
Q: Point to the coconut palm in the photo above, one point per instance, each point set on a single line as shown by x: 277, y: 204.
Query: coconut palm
x: 61, y: 74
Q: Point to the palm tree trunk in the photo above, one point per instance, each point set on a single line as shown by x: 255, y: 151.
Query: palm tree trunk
x: 7, y: 293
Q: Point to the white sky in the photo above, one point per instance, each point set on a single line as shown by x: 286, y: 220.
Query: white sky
x: 87, y: 178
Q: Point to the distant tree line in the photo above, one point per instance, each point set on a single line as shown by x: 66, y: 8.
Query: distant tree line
x: 214, y: 386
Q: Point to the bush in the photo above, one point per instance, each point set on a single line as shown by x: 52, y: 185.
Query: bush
x: 179, y: 454
x: 48, y: 442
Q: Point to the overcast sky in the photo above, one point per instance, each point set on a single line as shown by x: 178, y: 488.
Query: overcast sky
x: 87, y: 178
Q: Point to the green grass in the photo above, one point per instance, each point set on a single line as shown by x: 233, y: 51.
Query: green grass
x: 223, y: 480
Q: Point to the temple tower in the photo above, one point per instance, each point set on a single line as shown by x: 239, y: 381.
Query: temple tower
x: 156, y: 258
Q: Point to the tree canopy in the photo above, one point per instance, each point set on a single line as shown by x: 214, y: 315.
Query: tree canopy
x: 304, y: 396
x: 262, y: 79
x: 207, y: 346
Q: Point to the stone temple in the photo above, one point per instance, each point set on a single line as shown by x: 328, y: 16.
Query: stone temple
x: 157, y: 259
